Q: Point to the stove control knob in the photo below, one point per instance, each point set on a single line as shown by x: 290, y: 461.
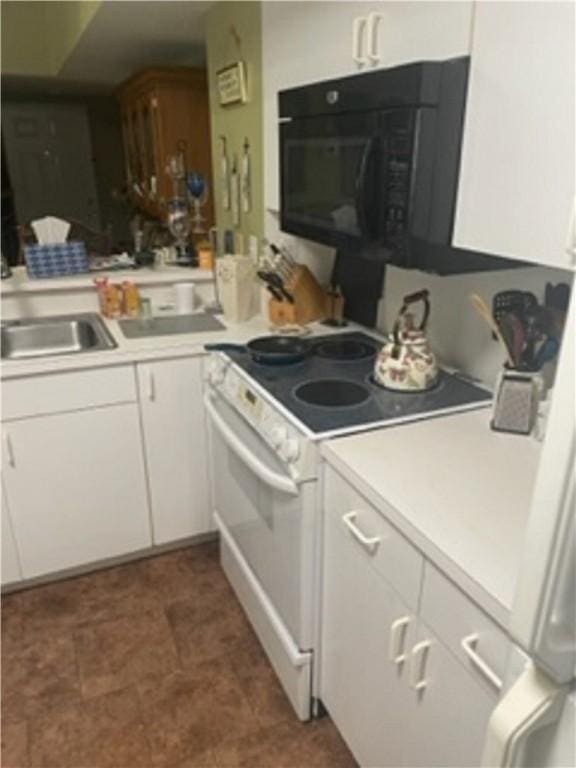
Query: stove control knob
x: 278, y: 435
x: 215, y: 372
x: 290, y: 450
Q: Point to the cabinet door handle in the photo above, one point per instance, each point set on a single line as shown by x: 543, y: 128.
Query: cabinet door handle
x: 397, y: 640
x: 469, y: 647
x: 358, y: 35
x: 151, y: 386
x: 9, y: 450
x: 368, y: 542
x: 418, y: 660
x: 373, y: 23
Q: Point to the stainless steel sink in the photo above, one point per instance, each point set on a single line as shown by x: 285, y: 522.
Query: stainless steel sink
x: 61, y: 335
x: 170, y: 325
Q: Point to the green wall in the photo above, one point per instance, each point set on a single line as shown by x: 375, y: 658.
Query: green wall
x: 233, y: 33
x: 38, y: 36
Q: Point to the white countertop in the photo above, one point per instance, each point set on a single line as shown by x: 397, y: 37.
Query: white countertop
x: 127, y: 350
x: 136, y: 350
x: 459, y: 491
x: 21, y: 283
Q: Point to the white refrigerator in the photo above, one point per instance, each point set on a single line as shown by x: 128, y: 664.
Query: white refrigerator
x: 534, y: 721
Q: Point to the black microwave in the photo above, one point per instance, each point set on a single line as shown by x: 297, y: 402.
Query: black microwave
x: 372, y: 159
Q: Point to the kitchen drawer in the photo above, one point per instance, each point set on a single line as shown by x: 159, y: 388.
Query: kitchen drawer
x: 455, y: 618
x: 73, y: 391
x: 392, y: 556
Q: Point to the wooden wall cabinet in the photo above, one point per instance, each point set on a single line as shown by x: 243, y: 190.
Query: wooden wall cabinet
x: 165, y: 111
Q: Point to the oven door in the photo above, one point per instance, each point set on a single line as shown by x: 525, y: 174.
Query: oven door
x: 329, y: 167
x: 269, y: 518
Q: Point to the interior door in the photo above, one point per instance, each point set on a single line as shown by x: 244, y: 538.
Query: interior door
x: 49, y: 154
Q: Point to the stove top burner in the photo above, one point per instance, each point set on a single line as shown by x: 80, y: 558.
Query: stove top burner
x: 332, y: 393
x: 329, y: 395
x: 344, y: 349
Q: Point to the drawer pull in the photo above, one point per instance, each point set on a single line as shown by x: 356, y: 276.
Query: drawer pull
x: 418, y: 661
x: 398, y: 640
x: 151, y: 387
x: 368, y: 542
x: 9, y: 450
x: 469, y: 648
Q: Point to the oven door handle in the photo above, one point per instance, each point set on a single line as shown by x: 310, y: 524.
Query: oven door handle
x: 269, y: 477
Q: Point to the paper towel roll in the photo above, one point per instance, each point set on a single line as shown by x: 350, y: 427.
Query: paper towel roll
x: 185, y: 298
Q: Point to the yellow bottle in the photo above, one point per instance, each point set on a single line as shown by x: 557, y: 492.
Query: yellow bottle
x: 131, y: 296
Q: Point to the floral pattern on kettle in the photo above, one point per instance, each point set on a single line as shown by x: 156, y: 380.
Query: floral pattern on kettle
x: 406, y: 362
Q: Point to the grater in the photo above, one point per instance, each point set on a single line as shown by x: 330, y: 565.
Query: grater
x: 516, y: 402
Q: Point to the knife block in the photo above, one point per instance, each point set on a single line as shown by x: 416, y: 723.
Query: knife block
x: 310, y: 300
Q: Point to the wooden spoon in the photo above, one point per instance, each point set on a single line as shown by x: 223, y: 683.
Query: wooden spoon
x: 484, y: 311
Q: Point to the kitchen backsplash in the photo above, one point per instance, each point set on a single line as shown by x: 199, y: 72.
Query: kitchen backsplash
x: 458, y: 336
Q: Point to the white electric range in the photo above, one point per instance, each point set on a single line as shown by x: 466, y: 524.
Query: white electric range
x: 266, y: 423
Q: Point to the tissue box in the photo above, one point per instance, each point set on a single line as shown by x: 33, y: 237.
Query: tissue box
x: 56, y: 259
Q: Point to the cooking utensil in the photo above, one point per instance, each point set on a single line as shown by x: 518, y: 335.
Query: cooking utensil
x: 547, y: 352
x: 407, y: 363
x: 512, y: 301
x: 483, y: 310
x: 514, y: 336
x: 539, y: 324
x: 557, y: 296
x: 283, y: 260
x: 516, y: 402
x: 274, y: 279
x: 269, y: 350
x: 274, y: 292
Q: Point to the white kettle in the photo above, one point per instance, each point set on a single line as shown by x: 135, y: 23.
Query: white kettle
x: 406, y: 363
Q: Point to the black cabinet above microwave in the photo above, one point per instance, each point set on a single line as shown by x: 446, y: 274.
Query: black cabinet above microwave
x: 372, y: 160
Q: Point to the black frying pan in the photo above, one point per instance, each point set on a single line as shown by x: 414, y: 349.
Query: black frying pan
x: 270, y: 350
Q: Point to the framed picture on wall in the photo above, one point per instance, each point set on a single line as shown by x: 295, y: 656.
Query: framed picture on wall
x: 231, y: 83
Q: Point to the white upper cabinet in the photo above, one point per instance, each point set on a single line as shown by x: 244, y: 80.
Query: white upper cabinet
x: 175, y: 441
x: 516, y: 192
x: 403, y: 32
x: 312, y: 41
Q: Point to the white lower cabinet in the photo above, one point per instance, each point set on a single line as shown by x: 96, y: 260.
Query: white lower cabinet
x: 176, y: 449
x: 76, y: 487
x: 11, y: 572
x: 366, y: 630
x: 403, y: 691
x: 449, y: 711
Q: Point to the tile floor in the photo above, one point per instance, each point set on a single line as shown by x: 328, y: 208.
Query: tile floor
x: 152, y: 665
